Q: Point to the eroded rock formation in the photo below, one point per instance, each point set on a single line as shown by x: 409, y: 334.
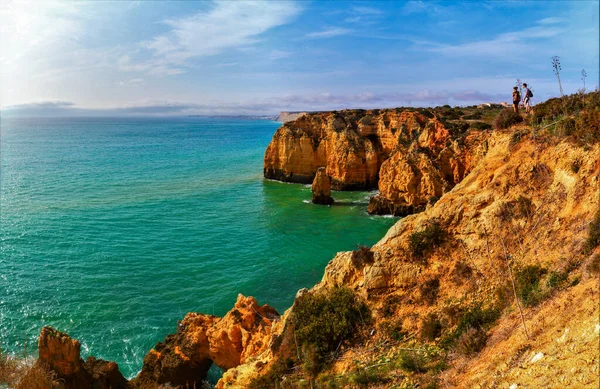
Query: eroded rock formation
x: 411, y: 157
x: 184, y: 358
x: 62, y: 354
x: 321, y: 188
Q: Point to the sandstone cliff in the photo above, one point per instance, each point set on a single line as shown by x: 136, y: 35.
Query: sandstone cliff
x: 440, y: 282
x: 412, y: 156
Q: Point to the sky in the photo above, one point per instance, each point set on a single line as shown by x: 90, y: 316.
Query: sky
x: 61, y: 58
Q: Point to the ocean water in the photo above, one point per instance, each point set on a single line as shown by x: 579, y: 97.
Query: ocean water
x: 113, y: 229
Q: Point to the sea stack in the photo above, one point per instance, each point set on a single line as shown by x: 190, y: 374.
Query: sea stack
x: 321, y: 188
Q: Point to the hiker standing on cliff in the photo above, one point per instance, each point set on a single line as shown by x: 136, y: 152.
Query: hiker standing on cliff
x: 516, y: 99
x: 527, y: 98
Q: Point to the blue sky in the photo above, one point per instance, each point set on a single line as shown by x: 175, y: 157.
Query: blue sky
x: 236, y: 57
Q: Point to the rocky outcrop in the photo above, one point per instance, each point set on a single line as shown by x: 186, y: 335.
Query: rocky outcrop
x: 61, y: 354
x: 412, y: 157
x: 321, y: 188
x: 183, y: 358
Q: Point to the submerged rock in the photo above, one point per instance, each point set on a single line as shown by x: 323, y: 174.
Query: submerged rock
x: 321, y: 188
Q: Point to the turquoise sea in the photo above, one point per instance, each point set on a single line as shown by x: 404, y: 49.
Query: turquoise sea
x: 112, y: 229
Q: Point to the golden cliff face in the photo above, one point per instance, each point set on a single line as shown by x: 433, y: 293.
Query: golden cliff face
x: 412, y: 158
x: 527, y: 203
x: 352, y: 145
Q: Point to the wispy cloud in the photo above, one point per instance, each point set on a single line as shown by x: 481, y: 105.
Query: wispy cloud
x: 227, y: 25
x: 506, y: 45
x: 328, y: 33
x: 43, y: 105
x: 363, y: 15
x: 429, y: 7
x: 550, y: 21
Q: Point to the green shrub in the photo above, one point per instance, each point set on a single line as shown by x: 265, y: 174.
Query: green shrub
x: 528, y: 284
x: 324, y: 321
x: 481, y: 126
x: 565, y: 127
x: 593, y: 239
x: 556, y: 279
x: 587, y: 126
x: 474, y: 116
x: 366, y: 120
x: 432, y: 236
x: 413, y: 361
x: 362, y: 256
x: 476, y: 318
x: 365, y: 377
x: 273, y: 376
x: 507, y: 118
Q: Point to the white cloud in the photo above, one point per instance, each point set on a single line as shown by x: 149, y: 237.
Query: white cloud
x: 227, y: 25
x: 328, y: 33
x: 506, y: 45
x: 30, y: 28
x: 550, y: 21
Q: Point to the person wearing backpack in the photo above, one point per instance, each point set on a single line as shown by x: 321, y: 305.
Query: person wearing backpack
x: 527, y: 99
x: 516, y: 99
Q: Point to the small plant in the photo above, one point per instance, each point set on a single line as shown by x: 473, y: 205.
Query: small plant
x: 593, y: 239
x: 25, y: 373
x: 432, y: 236
x: 273, y: 376
x: 506, y: 118
x: 576, y: 165
x: 556, y: 279
x: 594, y: 265
x: 565, y: 127
x: 528, y: 284
x: 431, y: 327
x: 362, y: 256
x: 365, y: 377
x: 392, y: 329
x: 324, y: 321
x: 429, y: 290
x: 389, y: 305
x: 556, y: 68
x: 471, y: 341
x: 524, y: 207
x: 477, y: 318
x: 413, y: 361
x: 520, y: 208
x: 461, y: 271
x: 366, y: 120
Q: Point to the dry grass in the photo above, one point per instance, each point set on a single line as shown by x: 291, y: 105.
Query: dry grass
x: 25, y: 373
